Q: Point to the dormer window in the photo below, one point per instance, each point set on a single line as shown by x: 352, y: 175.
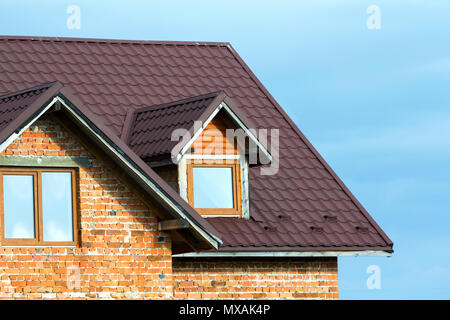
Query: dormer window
x: 203, y: 147
x: 215, y: 189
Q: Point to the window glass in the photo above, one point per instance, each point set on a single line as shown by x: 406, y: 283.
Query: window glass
x: 57, y: 206
x: 213, y: 187
x: 18, y: 199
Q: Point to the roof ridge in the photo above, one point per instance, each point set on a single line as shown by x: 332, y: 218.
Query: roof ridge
x: 178, y: 102
x: 20, y: 92
x: 115, y: 41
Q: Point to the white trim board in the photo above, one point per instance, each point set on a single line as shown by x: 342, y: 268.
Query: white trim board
x: 224, y: 106
x: 284, y: 254
x: 212, y: 156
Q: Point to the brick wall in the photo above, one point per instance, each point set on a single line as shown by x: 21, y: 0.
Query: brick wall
x: 119, y: 256
x: 122, y: 255
x: 300, y: 278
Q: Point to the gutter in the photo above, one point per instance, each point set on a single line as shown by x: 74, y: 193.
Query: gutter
x: 284, y: 254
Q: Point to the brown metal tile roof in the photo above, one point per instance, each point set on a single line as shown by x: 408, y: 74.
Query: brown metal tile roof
x: 151, y: 127
x: 304, y: 207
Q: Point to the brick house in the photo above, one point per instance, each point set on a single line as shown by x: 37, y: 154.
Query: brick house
x: 120, y: 179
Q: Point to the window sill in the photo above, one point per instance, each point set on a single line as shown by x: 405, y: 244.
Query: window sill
x: 221, y: 215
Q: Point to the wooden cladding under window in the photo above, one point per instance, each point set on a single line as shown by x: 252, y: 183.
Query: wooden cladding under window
x: 236, y: 179
x: 37, y: 198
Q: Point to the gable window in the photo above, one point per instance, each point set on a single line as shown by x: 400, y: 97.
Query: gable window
x: 38, y: 206
x: 214, y: 189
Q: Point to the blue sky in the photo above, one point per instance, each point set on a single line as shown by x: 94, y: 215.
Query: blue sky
x: 375, y: 103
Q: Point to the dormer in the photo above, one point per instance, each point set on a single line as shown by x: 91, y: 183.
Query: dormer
x: 203, y: 147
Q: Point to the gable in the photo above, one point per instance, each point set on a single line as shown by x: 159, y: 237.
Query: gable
x: 110, y: 149
x: 213, y: 140
x: 305, y: 206
x: 98, y: 190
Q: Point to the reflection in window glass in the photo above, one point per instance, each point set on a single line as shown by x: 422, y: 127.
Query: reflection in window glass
x: 18, y: 201
x: 213, y: 187
x: 57, y: 206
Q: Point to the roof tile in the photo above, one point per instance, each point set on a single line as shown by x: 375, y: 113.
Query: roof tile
x: 112, y: 76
